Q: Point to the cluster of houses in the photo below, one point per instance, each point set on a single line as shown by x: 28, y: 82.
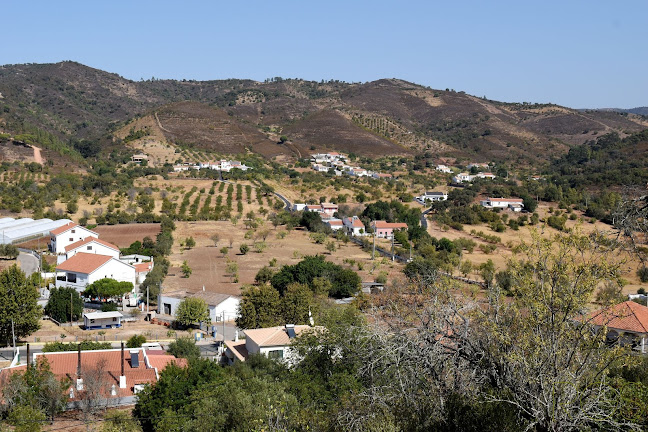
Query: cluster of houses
x: 324, y: 162
x: 466, y: 177
x: 351, y: 225
x: 221, y: 165
x: 82, y: 258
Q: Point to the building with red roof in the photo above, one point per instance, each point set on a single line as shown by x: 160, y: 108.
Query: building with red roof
x: 63, y: 236
x: 90, y: 245
x: 626, y: 322
x: 85, y: 268
x: 385, y: 229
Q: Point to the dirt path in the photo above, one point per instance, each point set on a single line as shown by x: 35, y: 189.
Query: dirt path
x: 37, y: 155
x: 160, y: 124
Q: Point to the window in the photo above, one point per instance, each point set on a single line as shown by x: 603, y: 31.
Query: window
x: 71, y: 239
x: 73, y: 231
x: 114, y: 318
x: 89, y: 248
x: 91, y: 321
x: 71, y: 277
x: 276, y: 354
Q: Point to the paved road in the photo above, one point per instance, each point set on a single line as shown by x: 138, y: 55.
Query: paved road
x: 285, y: 200
x: 28, y: 263
x: 424, y: 222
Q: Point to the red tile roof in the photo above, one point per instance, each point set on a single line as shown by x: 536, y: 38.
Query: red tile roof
x: 89, y: 240
x: 626, y: 316
x: 63, y: 228
x: 83, y: 263
x: 355, y: 222
x: 143, y: 267
x: 392, y: 225
x: 513, y: 200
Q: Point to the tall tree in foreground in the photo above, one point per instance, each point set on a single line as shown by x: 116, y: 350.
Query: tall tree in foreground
x: 18, y: 304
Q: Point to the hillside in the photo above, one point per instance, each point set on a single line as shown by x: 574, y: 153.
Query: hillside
x: 384, y: 117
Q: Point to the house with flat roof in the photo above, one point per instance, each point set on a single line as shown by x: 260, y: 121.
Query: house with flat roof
x: 83, y: 269
x: 431, y: 196
x: 102, y: 320
x: 515, y: 204
x: 221, y: 306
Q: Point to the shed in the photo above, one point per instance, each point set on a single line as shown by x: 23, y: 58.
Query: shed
x: 99, y: 320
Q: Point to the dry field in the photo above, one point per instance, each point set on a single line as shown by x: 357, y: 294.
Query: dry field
x: 511, y: 238
x: 124, y: 235
x: 209, y: 266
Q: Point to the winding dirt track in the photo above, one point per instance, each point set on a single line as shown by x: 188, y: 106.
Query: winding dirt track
x: 37, y: 155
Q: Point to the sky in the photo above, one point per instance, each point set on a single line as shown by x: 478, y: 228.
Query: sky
x: 581, y: 54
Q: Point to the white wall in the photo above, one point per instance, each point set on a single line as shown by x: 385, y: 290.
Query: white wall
x: 91, y: 248
x: 229, y: 306
x: 61, y: 241
x: 113, y: 269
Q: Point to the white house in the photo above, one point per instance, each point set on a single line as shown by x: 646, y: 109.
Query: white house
x: 477, y: 165
x: 298, y: 207
x: 83, y: 269
x: 443, y: 169
x: 432, y: 197
x: 220, y: 305
x: 135, y: 259
x: 89, y: 245
x: 486, y: 175
x: 328, y: 209
x: 64, y: 236
x: 354, y: 226
x: 335, y: 224
x: 320, y: 167
x: 273, y: 342
x: 463, y: 177
x: 382, y: 176
x: 101, y: 320
x: 514, y: 204
x: 142, y: 270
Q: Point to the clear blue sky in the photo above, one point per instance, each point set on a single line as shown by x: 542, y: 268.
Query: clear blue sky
x: 575, y: 53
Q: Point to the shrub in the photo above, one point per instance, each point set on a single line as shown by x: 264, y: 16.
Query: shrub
x: 135, y: 341
x: 184, y: 347
x: 643, y: 274
x: 108, y: 307
x: 244, y: 249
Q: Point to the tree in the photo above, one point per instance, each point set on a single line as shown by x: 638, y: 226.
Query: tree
x: 295, y: 304
x: 232, y: 269
x: 330, y: 246
x: 59, y: 304
x: 264, y: 275
x: 224, y: 250
x: 244, y: 248
x: 465, y: 268
x: 18, y: 304
x: 135, y: 341
x: 119, y: 421
x: 283, y: 139
x: 192, y: 310
x: 108, y: 288
x: 186, y: 270
x: 215, y: 238
x: 529, y: 204
x: 260, y: 306
x: 184, y: 347
x: 190, y: 242
x: 487, y: 272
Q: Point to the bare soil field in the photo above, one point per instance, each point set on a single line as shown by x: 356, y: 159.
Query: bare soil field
x: 124, y: 235
x: 209, y: 266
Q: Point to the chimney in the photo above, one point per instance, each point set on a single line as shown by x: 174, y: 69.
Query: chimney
x: 122, y: 377
x: 79, y: 381
x: 27, y: 355
x: 235, y: 336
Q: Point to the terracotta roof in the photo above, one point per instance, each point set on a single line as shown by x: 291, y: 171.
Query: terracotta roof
x: 238, y: 349
x: 273, y: 336
x: 161, y: 361
x: 90, y: 240
x: 392, y: 225
x: 143, y: 267
x: 354, y: 222
x: 626, y: 316
x: 334, y: 222
x: 83, y: 263
x: 329, y: 205
x: 63, y: 228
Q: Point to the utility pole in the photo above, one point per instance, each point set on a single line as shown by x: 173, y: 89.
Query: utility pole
x: 71, y: 308
x: 392, y: 250
x: 223, y: 326
x: 373, y: 252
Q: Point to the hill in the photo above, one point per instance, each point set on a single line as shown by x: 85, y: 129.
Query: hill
x: 385, y: 117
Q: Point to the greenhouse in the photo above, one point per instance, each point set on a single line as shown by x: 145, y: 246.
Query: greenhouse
x: 20, y: 230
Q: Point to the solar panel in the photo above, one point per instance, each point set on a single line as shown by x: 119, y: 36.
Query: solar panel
x: 135, y: 359
x: 290, y: 329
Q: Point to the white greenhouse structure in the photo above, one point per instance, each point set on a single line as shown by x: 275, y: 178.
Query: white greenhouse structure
x: 24, y: 229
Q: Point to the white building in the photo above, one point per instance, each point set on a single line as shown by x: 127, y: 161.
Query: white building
x: 220, y: 305
x: 83, y: 269
x: 334, y: 224
x: 463, y: 177
x: 101, y: 320
x: 486, y: 175
x: 354, y: 226
x: 273, y: 342
x: 64, y: 236
x: 320, y: 168
x: 89, y: 245
x: 443, y: 169
x: 142, y: 270
x: 432, y: 197
x: 514, y: 204
x: 298, y: 207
